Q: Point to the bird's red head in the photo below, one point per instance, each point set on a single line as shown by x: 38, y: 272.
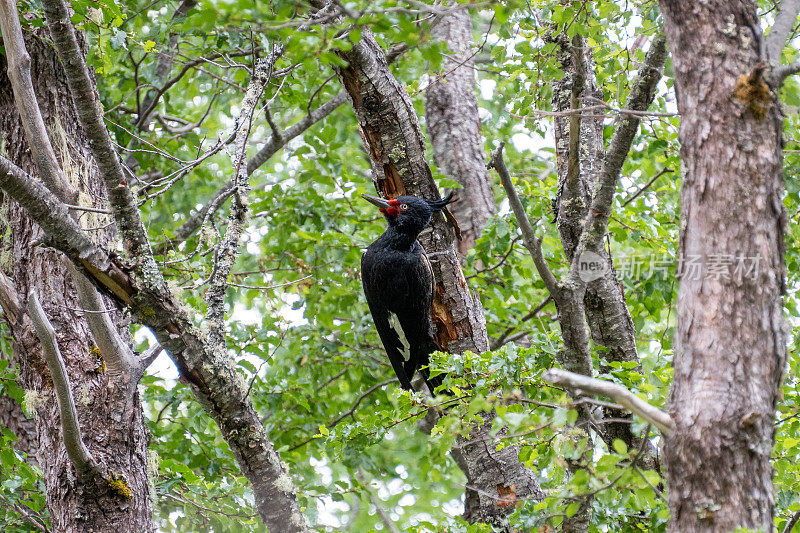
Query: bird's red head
x: 393, y: 210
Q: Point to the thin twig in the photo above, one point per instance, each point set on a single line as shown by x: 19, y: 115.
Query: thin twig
x: 792, y: 522
x: 645, y: 186
x: 36, y: 521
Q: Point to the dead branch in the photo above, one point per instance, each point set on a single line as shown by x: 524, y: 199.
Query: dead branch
x: 228, y: 250
x: 582, y: 384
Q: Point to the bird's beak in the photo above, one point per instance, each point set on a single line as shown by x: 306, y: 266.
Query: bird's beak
x: 374, y: 200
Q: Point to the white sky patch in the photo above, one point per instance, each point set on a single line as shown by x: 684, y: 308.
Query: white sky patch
x: 246, y: 315
x: 162, y: 367
x: 454, y: 507
x: 406, y: 500
x: 487, y: 88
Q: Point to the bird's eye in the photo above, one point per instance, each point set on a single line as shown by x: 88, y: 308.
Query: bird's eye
x: 403, y: 207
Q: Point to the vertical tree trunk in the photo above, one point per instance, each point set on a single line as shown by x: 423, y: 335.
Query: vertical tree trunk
x: 388, y: 124
x: 454, y: 127
x: 110, y: 415
x: 730, y: 339
x: 606, y: 312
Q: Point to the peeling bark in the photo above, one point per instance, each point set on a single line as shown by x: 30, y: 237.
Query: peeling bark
x: 454, y: 127
x: 730, y: 340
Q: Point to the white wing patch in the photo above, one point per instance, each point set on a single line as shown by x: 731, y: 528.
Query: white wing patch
x: 394, y: 323
x: 427, y: 264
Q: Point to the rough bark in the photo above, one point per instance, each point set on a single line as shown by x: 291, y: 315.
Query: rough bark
x: 730, y: 337
x: 138, y: 283
x: 388, y: 124
x: 24, y: 428
x: 111, y: 417
x: 454, y: 127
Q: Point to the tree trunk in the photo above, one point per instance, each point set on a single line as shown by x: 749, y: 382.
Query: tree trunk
x: 388, y: 124
x: 606, y: 312
x: 730, y: 339
x: 109, y: 413
x: 454, y: 127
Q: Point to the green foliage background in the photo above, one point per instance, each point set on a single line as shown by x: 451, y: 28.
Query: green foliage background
x: 307, y: 346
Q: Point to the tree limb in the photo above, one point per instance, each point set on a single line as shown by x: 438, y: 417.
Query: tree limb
x: 581, y: 384
x: 228, y: 250
x: 568, y: 297
x: 785, y: 20
x: 532, y: 243
x: 163, y: 67
x: 642, y: 89
x: 211, y: 376
x: 274, y: 143
x: 781, y: 72
x: 144, y: 361
x: 19, y: 73
x: 117, y: 354
x: 62, y: 230
x: 77, y: 451
x: 121, y: 199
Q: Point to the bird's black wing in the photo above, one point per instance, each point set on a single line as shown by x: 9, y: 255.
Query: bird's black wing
x: 386, y: 322
x: 415, y: 319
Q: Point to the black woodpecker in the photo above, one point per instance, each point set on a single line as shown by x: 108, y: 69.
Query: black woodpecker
x: 398, y: 283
